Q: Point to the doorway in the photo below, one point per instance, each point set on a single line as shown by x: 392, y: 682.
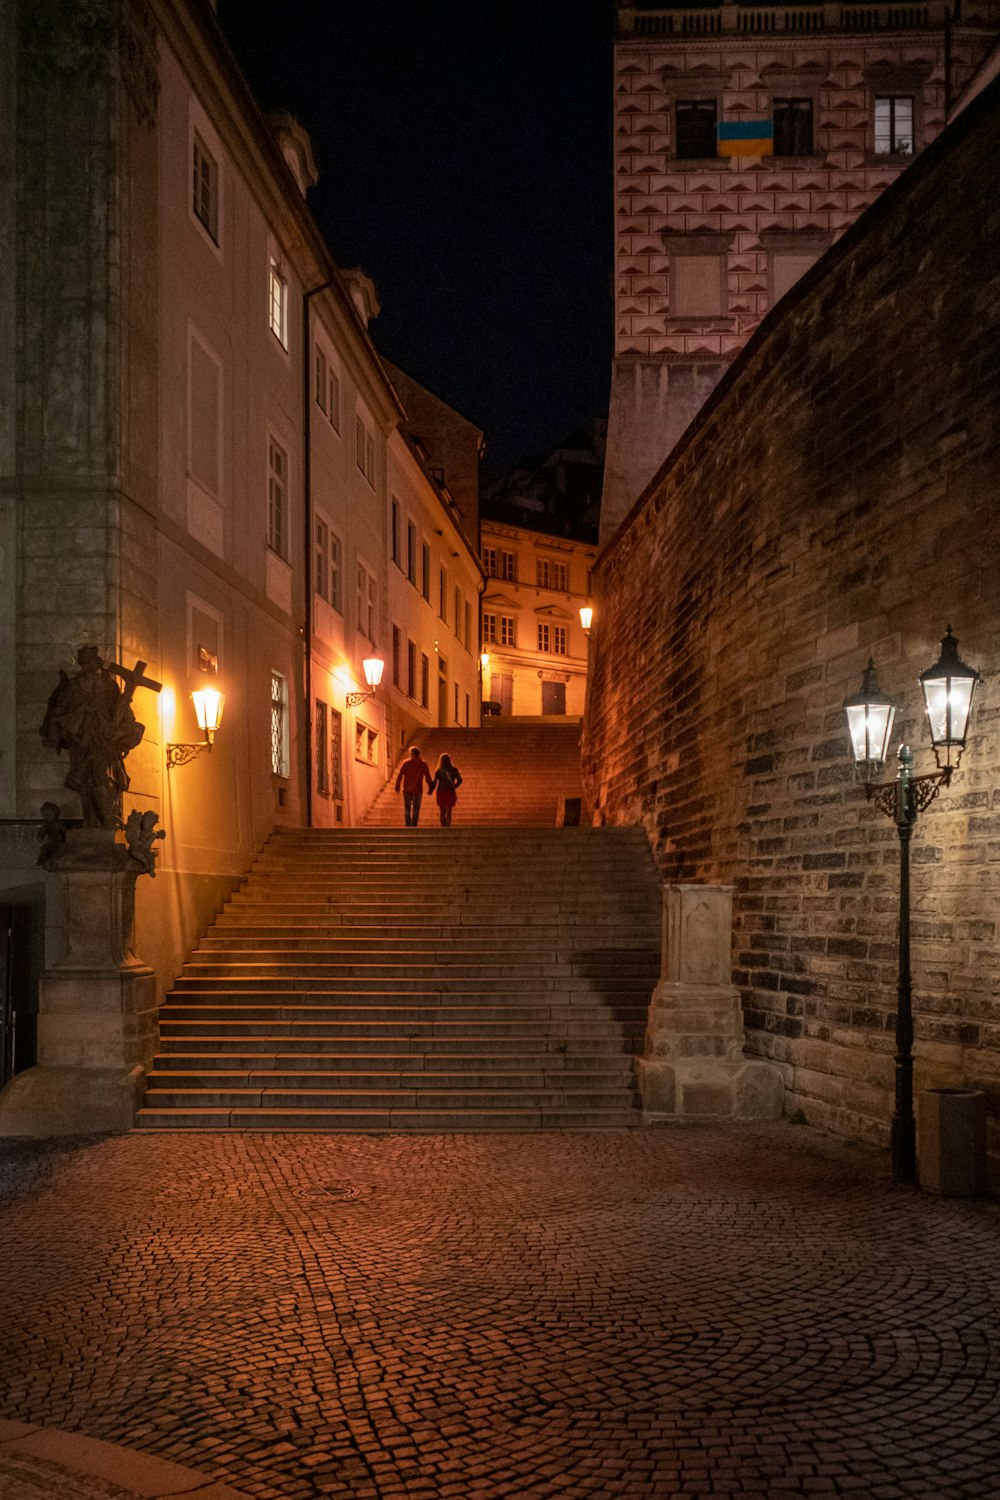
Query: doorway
x: 19, y: 967
x: 553, y: 697
x: 503, y: 691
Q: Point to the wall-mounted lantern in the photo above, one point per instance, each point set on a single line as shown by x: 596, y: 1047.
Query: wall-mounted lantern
x: 586, y: 617
x: 209, y: 703
x: 484, y: 662
x: 949, y: 687
x: 373, y: 667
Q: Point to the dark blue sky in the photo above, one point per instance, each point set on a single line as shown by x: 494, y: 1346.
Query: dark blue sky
x: 465, y: 156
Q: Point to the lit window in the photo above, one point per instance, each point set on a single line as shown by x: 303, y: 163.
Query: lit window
x: 278, y: 303
x: 695, y: 121
x: 508, y: 630
x: 322, y: 744
x: 205, y: 187
x: 279, y: 724
x: 793, y: 127
x: 489, y: 629
x: 277, y: 499
x: 894, y: 125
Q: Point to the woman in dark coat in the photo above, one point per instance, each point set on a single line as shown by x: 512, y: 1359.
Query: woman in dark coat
x: 447, y: 779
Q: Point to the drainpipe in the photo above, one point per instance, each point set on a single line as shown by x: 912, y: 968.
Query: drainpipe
x: 308, y: 534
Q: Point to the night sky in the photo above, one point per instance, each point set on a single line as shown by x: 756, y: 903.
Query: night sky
x: 464, y: 148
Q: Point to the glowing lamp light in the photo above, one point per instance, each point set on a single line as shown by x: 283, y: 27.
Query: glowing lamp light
x: 869, y: 719
x: 208, y: 705
x: 373, y: 667
x: 949, y: 688
x: 586, y: 617
x: 484, y: 660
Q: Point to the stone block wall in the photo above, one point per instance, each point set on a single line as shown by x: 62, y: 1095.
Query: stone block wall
x: 837, y: 496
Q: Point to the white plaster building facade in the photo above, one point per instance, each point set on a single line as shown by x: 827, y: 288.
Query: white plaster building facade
x: 536, y: 646
x: 196, y: 443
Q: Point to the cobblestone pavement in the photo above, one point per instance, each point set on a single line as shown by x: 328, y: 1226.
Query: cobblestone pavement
x: 686, y: 1312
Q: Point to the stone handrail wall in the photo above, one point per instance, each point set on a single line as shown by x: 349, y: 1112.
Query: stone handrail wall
x: 836, y: 496
x: 782, y: 20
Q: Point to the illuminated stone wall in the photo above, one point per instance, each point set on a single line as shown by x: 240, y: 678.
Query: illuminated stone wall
x: 836, y: 496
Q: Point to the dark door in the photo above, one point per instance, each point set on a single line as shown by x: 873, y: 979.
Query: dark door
x: 18, y: 991
x: 553, y: 697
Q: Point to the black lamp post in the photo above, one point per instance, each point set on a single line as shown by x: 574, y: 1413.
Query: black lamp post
x: 949, y: 687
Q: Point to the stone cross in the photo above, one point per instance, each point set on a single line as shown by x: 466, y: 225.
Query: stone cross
x: 134, y: 679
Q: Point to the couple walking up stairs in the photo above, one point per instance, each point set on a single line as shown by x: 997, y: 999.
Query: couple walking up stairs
x: 484, y: 977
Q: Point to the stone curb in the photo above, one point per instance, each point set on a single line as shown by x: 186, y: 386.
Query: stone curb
x: 148, y: 1478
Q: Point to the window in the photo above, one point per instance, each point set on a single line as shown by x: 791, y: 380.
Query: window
x: 467, y: 636
x: 411, y: 552
x: 894, y: 124
x: 559, y: 640
x: 327, y: 564
x: 456, y: 703
x: 543, y: 637
x: 508, y: 630
x: 365, y: 448
x: 396, y: 529
x: 425, y: 571
x: 443, y: 594
x: 466, y: 710
x: 277, y: 498
x: 793, y: 127
x: 322, y: 763
x: 697, y: 288
x: 397, y: 645
x: 327, y: 390
x: 279, y: 724
x: 278, y: 302
x: 508, y: 567
x: 490, y: 561
x: 366, y: 601
x: 336, y: 765
x: 489, y: 629
x: 552, y: 638
x: 458, y: 611
x: 695, y: 121
x: 205, y: 187
x: 411, y: 669
x: 551, y: 575
x: 425, y: 680
x: 365, y: 743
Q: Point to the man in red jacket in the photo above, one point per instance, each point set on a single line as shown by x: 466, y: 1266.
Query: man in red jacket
x: 412, y: 775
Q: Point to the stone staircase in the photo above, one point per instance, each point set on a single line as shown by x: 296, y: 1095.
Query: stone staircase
x: 375, y: 979
x: 513, y: 774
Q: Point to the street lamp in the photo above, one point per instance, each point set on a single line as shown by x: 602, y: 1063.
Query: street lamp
x: 586, y: 617
x: 208, y: 705
x: 949, y: 687
x: 373, y: 667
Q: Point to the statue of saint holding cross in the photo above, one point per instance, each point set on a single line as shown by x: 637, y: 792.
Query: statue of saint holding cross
x: 89, y: 715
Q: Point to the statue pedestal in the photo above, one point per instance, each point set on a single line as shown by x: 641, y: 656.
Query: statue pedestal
x: 97, y: 1005
x: 693, y: 1066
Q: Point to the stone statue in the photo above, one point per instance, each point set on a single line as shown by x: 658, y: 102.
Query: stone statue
x: 141, y: 833
x: 90, y: 716
x: 51, y: 833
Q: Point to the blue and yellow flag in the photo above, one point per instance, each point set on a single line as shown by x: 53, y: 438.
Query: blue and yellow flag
x: 745, y: 137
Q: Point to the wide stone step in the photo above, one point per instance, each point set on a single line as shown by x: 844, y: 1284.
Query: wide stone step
x: 406, y: 1075
x: 446, y: 1008
x: 280, y: 1097
x: 381, y: 1065
x: 437, y: 1122
x: 485, y: 1047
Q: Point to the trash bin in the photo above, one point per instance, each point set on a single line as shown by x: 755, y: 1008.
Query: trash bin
x: 952, y: 1141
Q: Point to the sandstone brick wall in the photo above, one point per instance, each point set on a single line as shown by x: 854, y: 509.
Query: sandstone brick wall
x: 837, y: 496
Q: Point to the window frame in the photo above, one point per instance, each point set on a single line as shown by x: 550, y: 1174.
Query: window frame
x: 277, y: 298
x: 785, y: 105
x: 280, y: 758
x: 278, y: 513
x: 894, y: 98
x: 209, y: 224
x: 684, y: 108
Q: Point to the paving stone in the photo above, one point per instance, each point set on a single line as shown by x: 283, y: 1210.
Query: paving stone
x: 744, y: 1311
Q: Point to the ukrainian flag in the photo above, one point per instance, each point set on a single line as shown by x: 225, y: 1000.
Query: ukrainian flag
x: 745, y: 137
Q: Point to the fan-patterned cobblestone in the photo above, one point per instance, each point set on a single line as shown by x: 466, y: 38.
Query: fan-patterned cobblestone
x: 710, y: 1311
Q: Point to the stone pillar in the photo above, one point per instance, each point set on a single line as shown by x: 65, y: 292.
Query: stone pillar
x: 97, y: 1005
x: 693, y: 1065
